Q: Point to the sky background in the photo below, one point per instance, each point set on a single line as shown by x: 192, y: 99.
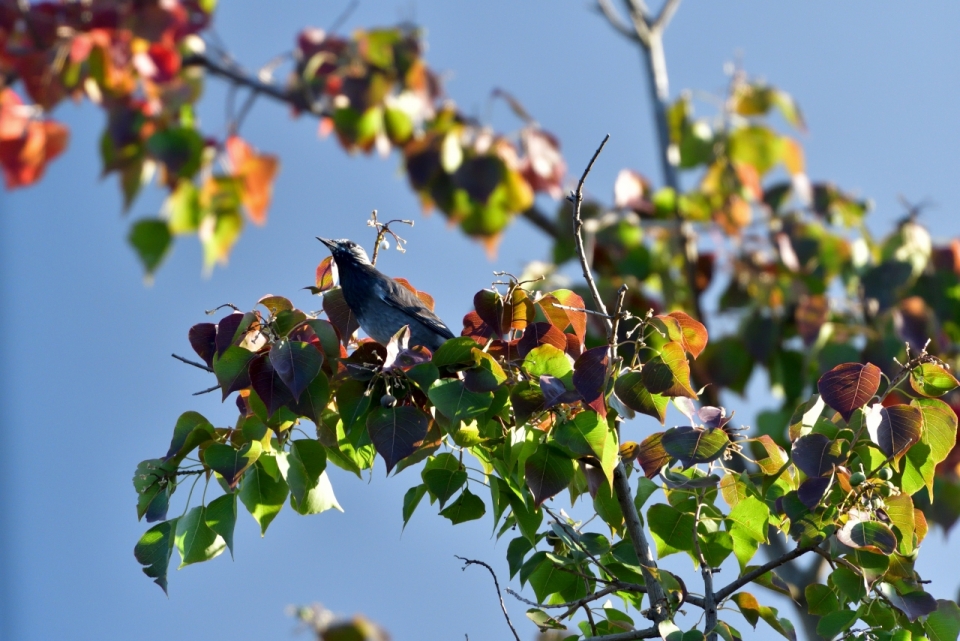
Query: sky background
x: 89, y: 389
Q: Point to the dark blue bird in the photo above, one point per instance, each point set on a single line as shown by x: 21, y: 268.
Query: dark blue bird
x: 382, y: 305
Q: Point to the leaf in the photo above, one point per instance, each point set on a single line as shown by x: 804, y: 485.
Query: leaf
x: 456, y: 402
x: 669, y: 373
x: 456, y: 351
x: 191, y: 430
x: 297, y: 363
x: 231, y: 463
x: 527, y: 400
x: 195, y: 541
x: 202, y: 337
x: 263, y: 491
x: 750, y: 517
x: 467, y: 507
x: 397, y: 432
x: 693, y: 445
x: 816, y: 455
x: 548, y: 360
x: 929, y: 379
x: 811, y: 491
x: 895, y: 428
x: 319, y: 498
x: 257, y: 171
x: 486, y: 375
x: 938, y: 437
x: 411, y: 500
x: 221, y: 517
x: 630, y: 389
x: 690, y: 332
x: 151, y: 238
x: 652, y: 456
x: 590, y: 376
x: 548, y: 471
x: 268, y: 385
x: 752, y: 611
x: 944, y: 624
x: 672, y: 529
x: 306, y: 463
x: 538, y: 334
x: 871, y: 536
x: 443, y: 475
x: 584, y: 435
x: 337, y: 310
x: 153, y: 551
x: 313, y: 401
x: 849, y: 386
x: 154, y: 482
x: 770, y: 457
x: 913, y: 604
x: 836, y: 622
x: 821, y: 600
x: 230, y: 329
x: 232, y: 369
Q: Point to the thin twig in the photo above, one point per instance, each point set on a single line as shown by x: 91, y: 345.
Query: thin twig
x: 709, y: 597
x: 606, y: 8
x: 194, y: 363
x: 646, y: 633
x: 344, y: 16
x: 572, y: 605
x: 503, y: 606
x: 208, y: 390
x: 617, y: 315
x: 666, y: 15
x: 577, y: 199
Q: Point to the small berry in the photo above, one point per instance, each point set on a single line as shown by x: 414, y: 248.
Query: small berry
x: 857, y: 478
x: 388, y: 400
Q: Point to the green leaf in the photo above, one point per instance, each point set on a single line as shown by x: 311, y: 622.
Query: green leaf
x: 153, y: 551
x: 305, y: 467
x: 750, y: 517
x: 313, y: 401
x: 230, y: 368
x: 443, y: 475
x: 516, y: 551
x: 752, y: 611
x: 944, y: 624
x: 154, y: 482
x: 821, y: 600
x: 836, y: 622
x: 549, y: 579
x: 319, y: 498
x: 221, y: 517
x: 716, y: 547
x: 263, y: 491
x: 938, y: 436
x: 693, y: 445
x: 756, y: 146
x: 397, y: 432
x: 184, y: 439
x: 849, y: 583
x: 411, y: 500
x: 744, y: 547
x: 151, y: 238
x: 548, y: 360
x: 231, y: 463
x: 870, y: 535
x: 486, y: 375
x: 672, y: 529
x: 297, y: 363
x: 770, y: 457
x: 183, y: 207
x: 456, y: 351
x: 467, y: 507
x: 585, y: 435
x: 548, y: 471
x: 195, y: 540
x: 456, y: 402
x: 528, y: 520
x: 913, y: 604
x: 929, y: 379
x: 632, y: 392
x: 668, y: 373
x: 178, y: 148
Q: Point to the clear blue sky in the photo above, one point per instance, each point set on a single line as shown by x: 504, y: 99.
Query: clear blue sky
x: 89, y: 389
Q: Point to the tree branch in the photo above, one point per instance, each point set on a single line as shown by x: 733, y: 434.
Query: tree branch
x: 503, y: 606
x: 646, y: 633
x: 241, y: 78
x: 606, y: 8
x: 728, y: 590
x: 194, y: 363
x: 540, y: 220
x: 709, y: 597
x: 666, y: 15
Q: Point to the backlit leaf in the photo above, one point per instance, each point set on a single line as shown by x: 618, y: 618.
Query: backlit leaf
x: 443, y: 476
x: 548, y: 471
x: 153, y: 551
x: 693, y: 445
x: 816, y: 455
x: 669, y: 373
x: 672, y: 529
x: 872, y: 536
x: 195, y: 541
x: 652, y: 456
x: 231, y: 463
x: 151, y: 238
x: 589, y: 378
x: 268, y: 385
x: 263, y: 491
x: 632, y: 392
x: 849, y: 386
x: 396, y: 432
x: 929, y: 379
x: 895, y: 428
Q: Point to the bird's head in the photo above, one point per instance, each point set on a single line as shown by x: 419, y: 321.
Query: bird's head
x: 346, y: 251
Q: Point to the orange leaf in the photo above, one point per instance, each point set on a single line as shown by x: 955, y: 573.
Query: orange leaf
x: 258, y: 172
x: 26, y: 146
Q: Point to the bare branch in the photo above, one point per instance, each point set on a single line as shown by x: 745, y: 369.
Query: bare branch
x: 194, y: 363
x: 709, y: 597
x: 728, y: 590
x: 606, y: 8
x: 646, y: 633
x: 666, y: 15
x: 577, y: 199
x: 503, y: 606
x: 208, y: 390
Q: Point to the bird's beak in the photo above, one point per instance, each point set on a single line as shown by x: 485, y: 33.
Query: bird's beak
x: 328, y: 243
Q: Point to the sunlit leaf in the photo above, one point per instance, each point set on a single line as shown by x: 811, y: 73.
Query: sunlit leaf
x: 548, y: 471
x: 849, y: 386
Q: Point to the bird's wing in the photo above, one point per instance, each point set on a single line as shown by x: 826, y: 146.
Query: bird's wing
x: 401, y: 298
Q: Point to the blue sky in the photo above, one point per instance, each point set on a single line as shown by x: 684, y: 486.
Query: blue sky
x: 89, y: 389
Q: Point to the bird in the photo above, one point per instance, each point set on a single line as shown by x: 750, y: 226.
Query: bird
x: 380, y: 304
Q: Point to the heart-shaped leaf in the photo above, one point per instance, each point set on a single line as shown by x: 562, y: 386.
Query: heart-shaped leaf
x: 872, y: 536
x: 268, y: 385
x: 232, y: 369
x: 913, y: 604
x: 895, y: 428
x: 816, y: 455
x: 929, y: 379
x: 630, y: 389
x: 548, y: 472
x: 231, y: 463
x: 693, y: 445
x: 397, y: 432
x: 651, y: 455
x: 203, y: 340
x: 849, y: 386
x: 443, y: 475
x: 669, y: 373
x: 590, y: 377
x: 296, y: 363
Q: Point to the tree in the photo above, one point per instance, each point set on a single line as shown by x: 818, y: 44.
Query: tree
x: 905, y: 291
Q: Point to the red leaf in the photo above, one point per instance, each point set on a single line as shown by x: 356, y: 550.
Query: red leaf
x: 540, y: 334
x: 257, y: 171
x: 849, y: 386
x: 590, y: 377
x: 26, y: 146
x: 326, y: 274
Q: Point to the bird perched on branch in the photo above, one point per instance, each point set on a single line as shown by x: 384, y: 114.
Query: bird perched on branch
x: 382, y: 305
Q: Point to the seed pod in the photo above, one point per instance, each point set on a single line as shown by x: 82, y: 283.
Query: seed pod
x: 857, y: 478
x: 885, y: 473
